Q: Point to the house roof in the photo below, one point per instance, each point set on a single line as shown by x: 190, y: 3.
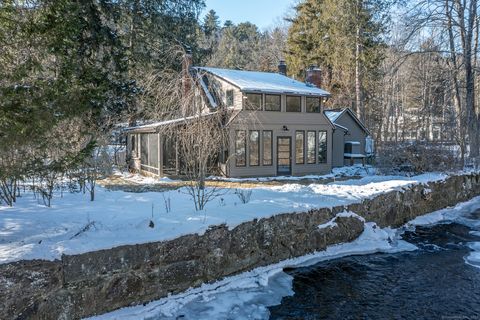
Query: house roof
x: 339, y: 126
x: 153, y: 127
x: 334, y: 115
x: 268, y: 82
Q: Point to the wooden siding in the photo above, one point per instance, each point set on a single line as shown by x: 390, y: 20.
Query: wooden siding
x: 355, y: 133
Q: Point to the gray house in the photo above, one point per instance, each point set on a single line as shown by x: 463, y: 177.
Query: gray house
x: 352, y: 134
x: 279, y: 126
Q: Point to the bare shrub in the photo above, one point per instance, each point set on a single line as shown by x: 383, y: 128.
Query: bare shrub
x: 416, y: 158
x: 199, y: 142
x: 167, y: 203
x: 244, y: 195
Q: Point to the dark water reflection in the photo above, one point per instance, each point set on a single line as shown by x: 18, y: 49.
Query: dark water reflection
x: 431, y: 283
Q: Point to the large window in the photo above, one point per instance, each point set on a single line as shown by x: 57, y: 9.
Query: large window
x: 294, y: 104
x: 267, y: 148
x: 253, y: 101
x: 240, y: 148
x: 300, y: 147
x: 229, y: 98
x: 272, y: 102
x: 311, y: 135
x: 254, y: 148
x: 313, y: 104
x: 322, y: 146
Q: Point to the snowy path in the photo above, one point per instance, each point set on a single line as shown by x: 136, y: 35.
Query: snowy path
x: 32, y: 231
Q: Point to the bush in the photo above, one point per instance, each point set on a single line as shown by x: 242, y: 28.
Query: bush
x: 244, y: 195
x: 415, y: 158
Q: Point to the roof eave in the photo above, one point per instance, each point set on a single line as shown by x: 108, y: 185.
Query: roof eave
x: 297, y: 93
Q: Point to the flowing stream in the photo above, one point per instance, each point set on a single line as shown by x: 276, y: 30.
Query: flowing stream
x: 435, y: 282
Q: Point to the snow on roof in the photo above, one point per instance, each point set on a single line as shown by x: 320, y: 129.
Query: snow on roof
x: 339, y: 126
x: 208, y: 94
x: 334, y: 115
x: 152, y: 126
x: 264, y: 82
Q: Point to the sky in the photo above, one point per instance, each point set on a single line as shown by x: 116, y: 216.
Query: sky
x: 263, y: 13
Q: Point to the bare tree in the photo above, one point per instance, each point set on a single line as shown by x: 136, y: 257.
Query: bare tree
x: 200, y: 141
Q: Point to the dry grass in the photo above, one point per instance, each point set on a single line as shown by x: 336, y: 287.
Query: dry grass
x: 118, y: 182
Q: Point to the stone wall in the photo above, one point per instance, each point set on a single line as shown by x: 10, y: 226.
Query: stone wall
x: 97, y: 282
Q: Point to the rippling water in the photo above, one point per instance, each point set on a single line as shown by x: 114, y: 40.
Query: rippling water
x: 431, y: 283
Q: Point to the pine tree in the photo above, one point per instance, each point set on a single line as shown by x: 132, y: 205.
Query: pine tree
x: 211, y: 24
x: 343, y: 37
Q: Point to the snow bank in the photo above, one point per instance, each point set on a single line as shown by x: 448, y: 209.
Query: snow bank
x: 462, y: 214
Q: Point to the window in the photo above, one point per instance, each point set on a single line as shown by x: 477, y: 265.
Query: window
x: 240, y: 154
x: 322, y: 146
x: 272, y: 102
x: 254, y: 148
x: 347, y: 148
x: 299, y: 147
x: 311, y: 135
x: 229, y: 98
x: 143, y: 152
x: 134, y: 147
x: 267, y: 148
x: 253, y: 101
x: 313, y: 105
x: 294, y: 104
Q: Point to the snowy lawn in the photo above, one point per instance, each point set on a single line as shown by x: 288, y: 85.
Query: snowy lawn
x: 128, y: 181
x: 75, y: 225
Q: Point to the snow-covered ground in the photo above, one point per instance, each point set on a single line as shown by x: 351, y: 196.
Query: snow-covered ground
x: 347, y: 171
x: 75, y: 225
x: 247, y: 295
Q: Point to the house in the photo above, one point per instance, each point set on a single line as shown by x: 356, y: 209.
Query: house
x: 277, y: 125
x: 352, y: 134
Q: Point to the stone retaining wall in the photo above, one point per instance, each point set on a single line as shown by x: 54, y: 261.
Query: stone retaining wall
x: 97, y: 282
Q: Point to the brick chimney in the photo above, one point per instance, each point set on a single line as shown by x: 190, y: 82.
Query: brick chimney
x: 314, y: 76
x: 186, y: 77
x: 282, y: 67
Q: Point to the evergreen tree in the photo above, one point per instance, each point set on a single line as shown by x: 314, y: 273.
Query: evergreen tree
x: 344, y: 38
x: 211, y: 24
x: 238, y: 47
x: 67, y: 68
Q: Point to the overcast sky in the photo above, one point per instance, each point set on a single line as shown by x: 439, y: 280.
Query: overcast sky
x: 263, y: 13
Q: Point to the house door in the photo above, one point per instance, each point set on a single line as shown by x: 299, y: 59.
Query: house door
x: 284, y: 156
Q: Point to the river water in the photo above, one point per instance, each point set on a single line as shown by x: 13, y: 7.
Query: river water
x: 433, y: 282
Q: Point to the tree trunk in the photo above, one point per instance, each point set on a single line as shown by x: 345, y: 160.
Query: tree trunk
x: 457, y: 101
x: 466, y: 33
x: 358, y: 68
